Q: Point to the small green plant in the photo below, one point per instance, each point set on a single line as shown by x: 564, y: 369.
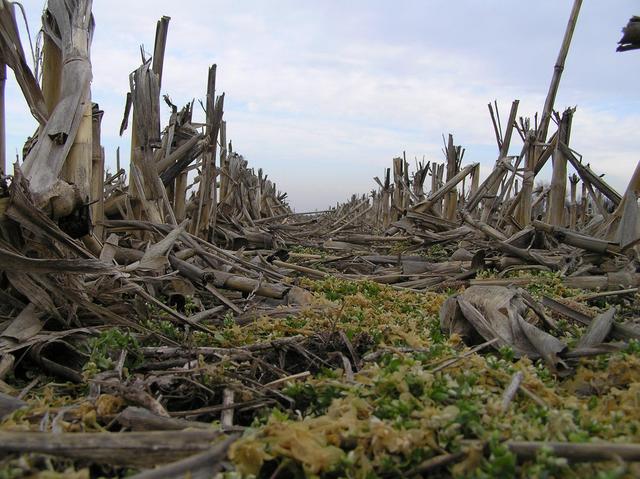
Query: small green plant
x: 546, y: 465
x: 633, y: 347
x: 313, y: 398
x: 507, y: 353
x: 190, y: 306
x: 546, y: 283
x: 11, y: 472
x: 489, y: 273
x: 308, y: 250
x: 399, y: 247
x: 105, y: 350
x: 469, y: 417
x: 436, y: 252
x: 165, y: 328
x: 228, y: 321
x: 500, y: 463
x: 295, y: 322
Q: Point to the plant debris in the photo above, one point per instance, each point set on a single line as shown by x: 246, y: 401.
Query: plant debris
x: 181, y: 320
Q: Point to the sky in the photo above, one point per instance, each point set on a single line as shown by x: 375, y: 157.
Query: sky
x: 323, y: 94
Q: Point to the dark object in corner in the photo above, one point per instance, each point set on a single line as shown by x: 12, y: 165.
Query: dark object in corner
x: 630, y: 35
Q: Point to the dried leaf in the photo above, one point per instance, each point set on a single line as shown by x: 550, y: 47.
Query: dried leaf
x: 598, y: 329
x: 26, y: 325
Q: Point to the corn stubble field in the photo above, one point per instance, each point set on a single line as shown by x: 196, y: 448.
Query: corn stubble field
x: 160, y: 324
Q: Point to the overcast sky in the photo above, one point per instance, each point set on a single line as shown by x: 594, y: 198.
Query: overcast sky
x: 323, y: 94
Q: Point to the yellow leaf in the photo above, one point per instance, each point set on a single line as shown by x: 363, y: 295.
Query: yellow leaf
x: 248, y: 455
x: 107, y: 404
